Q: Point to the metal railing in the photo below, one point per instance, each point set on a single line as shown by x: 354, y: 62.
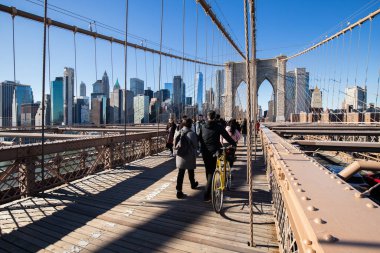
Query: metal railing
x: 20, y: 166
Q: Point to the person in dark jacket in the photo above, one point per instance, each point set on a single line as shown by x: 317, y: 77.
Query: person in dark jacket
x: 170, y: 129
x: 210, y: 144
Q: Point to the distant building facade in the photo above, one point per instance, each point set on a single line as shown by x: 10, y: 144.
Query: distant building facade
x: 199, y: 90
x: 316, y: 100
x: 56, y: 101
x: 68, y: 96
x: 47, y: 116
x: 137, y: 86
x: 141, y: 109
x: 219, y: 90
x: 356, y: 97
x: 28, y: 114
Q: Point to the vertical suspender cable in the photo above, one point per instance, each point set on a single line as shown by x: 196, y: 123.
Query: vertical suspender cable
x: 112, y: 62
x: 248, y: 80
x: 159, y: 75
x: 183, y: 55
x: 195, y: 64
x: 76, y: 77
x: 125, y: 84
x: 14, y: 50
x: 358, y: 47
x: 48, y: 47
x: 368, y: 52
x: 43, y: 95
x: 96, y: 63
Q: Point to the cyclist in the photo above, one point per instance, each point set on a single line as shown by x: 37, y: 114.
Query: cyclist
x: 210, y: 144
x: 232, y: 130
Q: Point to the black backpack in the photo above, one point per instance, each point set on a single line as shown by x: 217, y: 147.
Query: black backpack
x: 182, y: 144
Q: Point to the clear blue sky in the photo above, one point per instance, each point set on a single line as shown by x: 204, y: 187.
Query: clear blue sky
x: 283, y: 27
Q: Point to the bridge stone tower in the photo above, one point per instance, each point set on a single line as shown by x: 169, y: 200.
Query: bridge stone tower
x: 273, y: 70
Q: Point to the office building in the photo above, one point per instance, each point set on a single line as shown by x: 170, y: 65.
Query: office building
x: 116, y: 104
x: 68, y: 96
x: 219, y: 90
x: 356, y: 97
x: 28, y: 114
x: 98, y: 114
x: 82, y: 110
x: 82, y: 92
x: 199, y: 90
x: 137, y: 86
x: 105, y: 85
x: 56, y: 101
x: 141, y: 109
x: 148, y: 92
x: 169, y: 86
x: 22, y: 94
x: 189, y: 101
x: 47, y: 115
x: 162, y: 95
x: 297, y: 93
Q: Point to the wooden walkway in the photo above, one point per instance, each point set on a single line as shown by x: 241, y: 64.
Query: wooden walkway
x: 135, y: 210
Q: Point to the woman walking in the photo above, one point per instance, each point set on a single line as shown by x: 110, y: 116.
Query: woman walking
x: 170, y: 129
x: 186, y: 144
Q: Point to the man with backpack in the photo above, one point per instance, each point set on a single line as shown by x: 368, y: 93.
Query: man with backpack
x: 186, y: 144
x: 210, y: 144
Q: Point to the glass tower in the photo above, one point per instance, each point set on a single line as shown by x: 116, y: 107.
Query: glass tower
x: 56, y: 93
x: 199, y: 91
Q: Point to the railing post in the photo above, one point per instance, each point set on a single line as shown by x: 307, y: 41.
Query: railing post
x: 27, y: 171
x: 151, y: 147
x: 57, y: 163
x: 108, y: 157
x: 82, y: 161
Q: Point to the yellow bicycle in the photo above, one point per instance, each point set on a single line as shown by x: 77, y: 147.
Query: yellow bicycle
x: 221, y: 179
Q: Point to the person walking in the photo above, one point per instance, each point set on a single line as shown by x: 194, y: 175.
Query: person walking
x: 244, y: 131
x: 210, y: 144
x: 170, y: 129
x: 186, y: 143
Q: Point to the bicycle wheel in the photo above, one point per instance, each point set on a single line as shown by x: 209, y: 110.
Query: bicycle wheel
x: 228, y: 176
x: 216, y: 192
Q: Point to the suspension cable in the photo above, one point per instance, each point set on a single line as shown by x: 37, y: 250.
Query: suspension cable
x: 43, y: 95
x: 358, y: 47
x: 368, y: 52
x: 196, y: 53
x: 248, y: 79
x: 183, y: 56
x: 112, y: 62
x: 125, y: 82
x: 96, y: 64
x: 159, y: 75
x: 14, y: 50
x: 76, y: 76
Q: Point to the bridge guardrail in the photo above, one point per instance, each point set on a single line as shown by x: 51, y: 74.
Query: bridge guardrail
x: 64, y: 161
x: 315, y: 210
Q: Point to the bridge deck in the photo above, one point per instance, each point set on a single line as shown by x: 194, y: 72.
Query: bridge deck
x: 135, y: 210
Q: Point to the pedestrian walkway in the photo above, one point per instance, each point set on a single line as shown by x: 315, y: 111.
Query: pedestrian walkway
x: 135, y: 210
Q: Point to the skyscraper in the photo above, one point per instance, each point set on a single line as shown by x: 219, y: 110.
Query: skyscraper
x: 82, y: 89
x: 137, y: 86
x: 116, y: 104
x: 28, y: 114
x: 56, y: 99
x: 68, y: 95
x: 105, y: 85
x: 199, y: 90
x: 82, y: 110
x: 141, y: 109
x: 169, y: 86
x: 162, y: 95
x: 356, y: 97
x: 97, y: 87
x: 148, y: 93
x: 46, y: 118
x: 219, y: 89
x: 297, y: 93
x: 22, y: 94
x: 12, y: 96
x: 178, y: 96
